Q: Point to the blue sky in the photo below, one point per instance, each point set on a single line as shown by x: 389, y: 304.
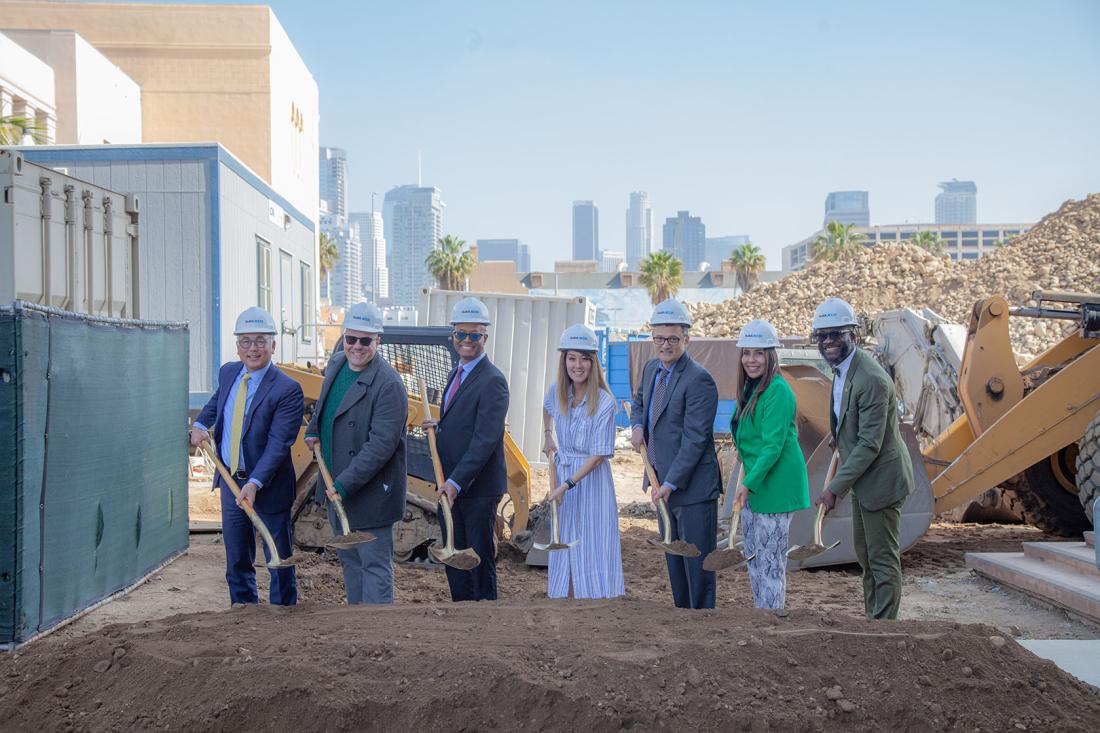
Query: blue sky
x: 744, y: 113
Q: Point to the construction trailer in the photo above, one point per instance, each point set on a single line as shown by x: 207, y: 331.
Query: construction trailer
x: 215, y: 239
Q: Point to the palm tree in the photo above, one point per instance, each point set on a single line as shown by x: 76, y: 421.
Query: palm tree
x: 837, y: 242
x: 451, y: 263
x: 12, y: 129
x: 329, y: 254
x: 748, y: 262
x: 930, y: 241
x: 662, y: 274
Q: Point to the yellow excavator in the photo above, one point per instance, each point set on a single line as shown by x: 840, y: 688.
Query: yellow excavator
x: 1032, y: 432
x: 416, y: 353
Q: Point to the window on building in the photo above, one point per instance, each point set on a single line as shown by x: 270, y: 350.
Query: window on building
x: 309, y: 314
x: 970, y: 255
x: 970, y: 243
x: 263, y: 274
x: 990, y: 234
x: 906, y: 235
x: 970, y: 235
x: 887, y: 235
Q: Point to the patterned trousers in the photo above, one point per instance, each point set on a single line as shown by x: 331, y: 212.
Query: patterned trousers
x: 767, y: 535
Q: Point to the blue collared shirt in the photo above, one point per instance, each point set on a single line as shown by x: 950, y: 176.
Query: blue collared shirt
x: 841, y: 373
x: 466, y: 367
x: 227, y: 413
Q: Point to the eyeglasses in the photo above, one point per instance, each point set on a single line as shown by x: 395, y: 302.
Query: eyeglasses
x: 365, y: 340
x: 463, y: 335
x: 670, y: 340
x: 261, y: 342
x: 834, y: 335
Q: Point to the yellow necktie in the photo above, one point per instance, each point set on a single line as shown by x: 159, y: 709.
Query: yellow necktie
x: 238, y: 423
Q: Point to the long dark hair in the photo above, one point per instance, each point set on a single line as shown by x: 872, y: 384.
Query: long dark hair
x: 770, y: 371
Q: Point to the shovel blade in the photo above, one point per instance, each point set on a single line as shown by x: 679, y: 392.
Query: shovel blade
x: 722, y: 559
x: 281, y: 563
x: 541, y: 546
x: 562, y: 545
x: 459, y: 559
x: 350, y: 541
x: 805, y: 552
x: 677, y: 547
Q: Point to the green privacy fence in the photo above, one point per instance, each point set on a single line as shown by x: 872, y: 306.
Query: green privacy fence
x: 93, y: 460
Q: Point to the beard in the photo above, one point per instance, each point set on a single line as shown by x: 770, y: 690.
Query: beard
x: 846, y: 348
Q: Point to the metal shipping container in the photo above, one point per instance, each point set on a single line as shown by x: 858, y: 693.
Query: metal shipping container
x: 523, y: 343
x: 66, y: 243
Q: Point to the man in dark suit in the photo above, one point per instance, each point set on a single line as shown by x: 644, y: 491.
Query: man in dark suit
x: 673, y: 414
x: 470, y: 437
x: 255, y: 414
x: 359, y: 422
x: 874, y: 462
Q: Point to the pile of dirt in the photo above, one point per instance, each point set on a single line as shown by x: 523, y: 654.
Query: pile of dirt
x: 1062, y: 252
x: 538, y: 666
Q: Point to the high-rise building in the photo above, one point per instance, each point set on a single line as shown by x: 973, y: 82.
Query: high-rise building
x: 958, y: 204
x: 413, y: 219
x: 586, y: 231
x: 334, y: 182
x: 376, y: 275
x: 848, y: 207
x: 720, y: 248
x: 612, y: 261
x: 639, y: 229
x: 511, y: 250
x: 685, y: 236
x: 345, y: 282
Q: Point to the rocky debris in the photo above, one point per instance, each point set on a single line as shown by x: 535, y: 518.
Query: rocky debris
x: 1062, y: 252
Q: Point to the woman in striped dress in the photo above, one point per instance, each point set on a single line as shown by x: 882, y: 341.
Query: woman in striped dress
x: 580, y: 410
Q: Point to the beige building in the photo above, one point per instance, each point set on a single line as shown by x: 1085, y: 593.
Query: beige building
x: 222, y: 73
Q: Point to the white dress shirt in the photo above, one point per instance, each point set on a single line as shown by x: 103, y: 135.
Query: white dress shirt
x: 840, y: 372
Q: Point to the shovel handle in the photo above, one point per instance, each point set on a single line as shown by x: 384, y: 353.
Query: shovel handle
x: 834, y: 463
x: 645, y: 455
x: 439, y: 480
x: 555, y: 535
x: 212, y: 454
x: 337, y: 502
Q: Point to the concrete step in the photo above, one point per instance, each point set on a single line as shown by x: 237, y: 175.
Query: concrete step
x: 1090, y: 539
x: 1047, y: 581
x: 1075, y: 556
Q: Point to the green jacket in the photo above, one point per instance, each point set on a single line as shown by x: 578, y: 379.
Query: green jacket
x: 874, y: 462
x: 767, y: 443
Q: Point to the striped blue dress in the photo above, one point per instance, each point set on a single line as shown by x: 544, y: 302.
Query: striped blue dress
x: 589, y: 511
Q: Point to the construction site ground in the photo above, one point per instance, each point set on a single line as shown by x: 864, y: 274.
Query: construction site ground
x: 172, y: 654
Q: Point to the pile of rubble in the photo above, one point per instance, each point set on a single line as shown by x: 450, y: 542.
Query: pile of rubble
x: 1062, y: 252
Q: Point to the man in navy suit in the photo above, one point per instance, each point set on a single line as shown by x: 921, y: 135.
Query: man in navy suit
x: 470, y: 438
x: 255, y: 413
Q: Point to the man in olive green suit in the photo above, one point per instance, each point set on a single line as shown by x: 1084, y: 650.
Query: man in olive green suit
x: 874, y: 462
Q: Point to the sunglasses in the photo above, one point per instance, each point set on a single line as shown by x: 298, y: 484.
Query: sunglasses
x: 249, y: 343
x: 464, y: 335
x: 835, y: 335
x: 351, y: 340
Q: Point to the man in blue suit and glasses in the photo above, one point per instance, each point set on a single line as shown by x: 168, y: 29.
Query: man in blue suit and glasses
x: 255, y: 415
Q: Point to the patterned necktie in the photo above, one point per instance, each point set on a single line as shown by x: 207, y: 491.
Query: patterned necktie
x: 455, y: 383
x: 238, y: 423
x: 660, y: 399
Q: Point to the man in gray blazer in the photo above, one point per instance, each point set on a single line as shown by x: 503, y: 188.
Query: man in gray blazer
x: 359, y: 422
x: 673, y: 414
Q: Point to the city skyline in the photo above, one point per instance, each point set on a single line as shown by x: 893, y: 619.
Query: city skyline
x: 760, y: 160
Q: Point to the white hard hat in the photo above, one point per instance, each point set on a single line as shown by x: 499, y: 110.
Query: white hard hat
x: 470, y: 310
x: 670, y: 313
x: 759, y: 334
x: 254, y: 320
x: 578, y: 338
x: 834, y: 313
x: 363, y: 317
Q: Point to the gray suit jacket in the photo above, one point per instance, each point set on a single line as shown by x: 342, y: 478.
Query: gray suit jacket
x: 682, y: 445
x: 368, y: 443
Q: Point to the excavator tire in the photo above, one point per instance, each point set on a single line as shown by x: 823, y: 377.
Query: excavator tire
x: 1088, y: 467
x: 1046, y: 503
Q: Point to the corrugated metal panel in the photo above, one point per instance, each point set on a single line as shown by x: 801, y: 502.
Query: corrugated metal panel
x: 523, y: 344
x: 65, y: 243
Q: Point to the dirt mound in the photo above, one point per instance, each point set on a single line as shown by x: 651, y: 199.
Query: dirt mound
x: 538, y: 666
x: 1062, y: 252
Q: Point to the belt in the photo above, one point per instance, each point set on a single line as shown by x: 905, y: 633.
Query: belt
x: 240, y: 476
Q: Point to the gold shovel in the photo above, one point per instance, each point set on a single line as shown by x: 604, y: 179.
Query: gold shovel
x: 732, y: 555
x: 347, y: 539
x: 805, y: 552
x: 666, y: 543
x: 277, y: 562
x: 555, y: 536
x: 466, y: 559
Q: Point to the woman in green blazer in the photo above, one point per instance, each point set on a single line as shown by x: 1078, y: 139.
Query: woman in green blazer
x: 773, y: 482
